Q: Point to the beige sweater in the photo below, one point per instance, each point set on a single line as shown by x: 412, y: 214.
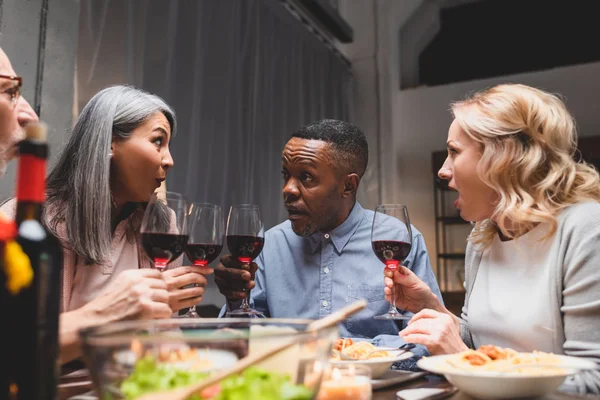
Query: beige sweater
x: 575, y: 261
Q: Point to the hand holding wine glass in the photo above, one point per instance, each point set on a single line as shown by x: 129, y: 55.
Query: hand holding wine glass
x: 232, y: 280
x: 391, y: 239
x: 411, y: 293
x: 205, y: 238
x: 245, y: 239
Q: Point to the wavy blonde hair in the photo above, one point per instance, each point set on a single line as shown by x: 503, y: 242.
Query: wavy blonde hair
x: 528, y: 141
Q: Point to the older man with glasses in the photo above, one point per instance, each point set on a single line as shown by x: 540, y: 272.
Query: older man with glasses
x: 15, y: 111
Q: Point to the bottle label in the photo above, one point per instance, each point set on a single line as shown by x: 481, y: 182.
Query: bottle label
x: 31, y: 179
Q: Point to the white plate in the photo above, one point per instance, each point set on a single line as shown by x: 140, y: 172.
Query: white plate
x: 394, y: 378
x: 504, y: 385
x: 378, y: 365
x: 219, y: 359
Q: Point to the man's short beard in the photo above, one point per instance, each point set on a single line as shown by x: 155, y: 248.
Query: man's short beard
x: 308, y: 230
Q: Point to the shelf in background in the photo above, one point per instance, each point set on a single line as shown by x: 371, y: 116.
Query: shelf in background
x: 452, y: 256
x: 454, y: 301
x: 452, y: 220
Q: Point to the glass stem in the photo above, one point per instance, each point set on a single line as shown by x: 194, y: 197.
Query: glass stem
x: 245, y: 302
x: 393, y: 309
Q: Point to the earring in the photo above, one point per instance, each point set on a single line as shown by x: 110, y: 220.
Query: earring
x: 110, y: 155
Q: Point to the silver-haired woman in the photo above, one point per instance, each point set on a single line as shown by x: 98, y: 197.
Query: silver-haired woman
x: 536, y: 239
x: 117, y: 156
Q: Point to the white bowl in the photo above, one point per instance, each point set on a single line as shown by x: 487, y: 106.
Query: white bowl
x: 379, y: 365
x: 502, y: 385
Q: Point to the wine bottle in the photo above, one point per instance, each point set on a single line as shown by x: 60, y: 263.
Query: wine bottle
x: 8, y: 232
x: 38, y: 306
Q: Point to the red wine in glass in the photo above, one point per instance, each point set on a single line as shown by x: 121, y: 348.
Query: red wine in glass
x: 244, y: 247
x: 391, y: 239
x: 391, y: 252
x: 163, y: 248
x: 164, y: 228
x: 245, y: 239
x: 206, y: 238
x: 202, y: 253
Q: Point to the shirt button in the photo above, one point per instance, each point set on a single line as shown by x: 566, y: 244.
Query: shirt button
x: 326, y: 270
x: 326, y: 236
x: 325, y: 303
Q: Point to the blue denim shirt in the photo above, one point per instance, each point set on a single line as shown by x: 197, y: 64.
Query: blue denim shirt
x: 314, y: 276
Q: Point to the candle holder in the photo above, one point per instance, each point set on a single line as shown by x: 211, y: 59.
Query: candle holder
x: 346, y: 382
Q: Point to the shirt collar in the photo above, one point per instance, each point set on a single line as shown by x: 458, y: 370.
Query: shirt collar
x: 340, y: 235
x: 132, y: 221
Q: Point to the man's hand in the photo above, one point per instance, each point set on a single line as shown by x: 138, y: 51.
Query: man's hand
x: 234, y: 278
x: 177, y: 278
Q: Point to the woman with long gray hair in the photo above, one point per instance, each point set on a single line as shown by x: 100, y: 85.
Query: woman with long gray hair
x: 117, y: 156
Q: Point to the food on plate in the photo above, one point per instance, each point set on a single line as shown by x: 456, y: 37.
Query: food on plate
x: 491, y: 358
x: 188, y: 355
x: 342, y: 343
x: 171, y: 353
x: 149, y: 376
x: 358, y: 350
x: 497, y: 353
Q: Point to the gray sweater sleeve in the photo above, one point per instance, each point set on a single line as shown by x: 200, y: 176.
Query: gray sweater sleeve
x: 472, y: 259
x: 579, y: 280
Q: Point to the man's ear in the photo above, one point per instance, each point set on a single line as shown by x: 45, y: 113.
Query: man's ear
x: 351, y: 182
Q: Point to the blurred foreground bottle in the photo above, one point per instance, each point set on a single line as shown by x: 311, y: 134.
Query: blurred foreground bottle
x: 32, y: 307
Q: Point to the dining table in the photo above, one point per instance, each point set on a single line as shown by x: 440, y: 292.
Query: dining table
x: 430, y: 381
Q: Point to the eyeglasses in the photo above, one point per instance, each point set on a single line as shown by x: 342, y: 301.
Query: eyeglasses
x: 12, y: 93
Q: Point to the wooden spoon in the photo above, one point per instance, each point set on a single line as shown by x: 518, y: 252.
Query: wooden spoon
x: 184, y: 392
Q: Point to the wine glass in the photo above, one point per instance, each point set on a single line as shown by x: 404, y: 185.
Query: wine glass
x: 205, y: 238
x: 391, y: 239
x: 245, y: 239
x: 164, y: 228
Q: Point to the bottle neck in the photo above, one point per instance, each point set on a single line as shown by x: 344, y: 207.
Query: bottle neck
x: 31, y: 181
x: 27, y: 210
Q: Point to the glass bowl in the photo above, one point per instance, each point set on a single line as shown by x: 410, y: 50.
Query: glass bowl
x: 129, y: 359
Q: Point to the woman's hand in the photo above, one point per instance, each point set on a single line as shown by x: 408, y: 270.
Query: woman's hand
x: 412, y: 294
x: 438, y: 331
x: 177, y: 278
x: 135, y: 294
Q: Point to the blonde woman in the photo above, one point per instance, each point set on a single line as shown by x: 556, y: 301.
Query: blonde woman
x: 533, y: 257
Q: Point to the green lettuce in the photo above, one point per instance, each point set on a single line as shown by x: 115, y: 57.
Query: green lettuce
x: 254, y: 383
x: 148, y: 377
